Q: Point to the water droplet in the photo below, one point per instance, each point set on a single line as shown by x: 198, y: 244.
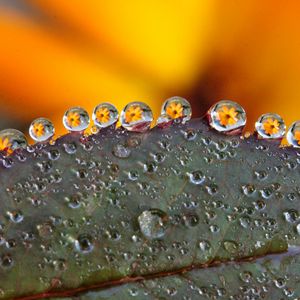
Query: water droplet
x: 291, y: 215
x: 205, y: 246
x: 177, y: 107
x: 293, y: 134
x: 164, y: 121
x: 76, y: 119
x: 227, y: 116
x: 230, y: 246
x: 84, y: 243
x: 153, y: 223
x: 15, y: 216
x: 196, y: 177
x: 6, y: 261
x: 105, y: 114
x: 11, y: 140
x: 41, y: 130
x: 270, y: 126
x: 121, y: 151
x: 136, y: 116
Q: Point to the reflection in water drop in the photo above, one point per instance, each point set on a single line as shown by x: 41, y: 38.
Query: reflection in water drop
x: 153, y: 223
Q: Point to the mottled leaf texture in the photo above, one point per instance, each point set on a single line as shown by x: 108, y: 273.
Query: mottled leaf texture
x: 117, y: 207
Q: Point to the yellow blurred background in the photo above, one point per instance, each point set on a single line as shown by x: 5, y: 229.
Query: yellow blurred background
x: 58, y: 54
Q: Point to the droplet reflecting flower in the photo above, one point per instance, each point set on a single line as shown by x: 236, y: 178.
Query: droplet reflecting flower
x: 270, y: 126
x: 136, y: 116
x: 105, y: 114
x: 41, y: 129
x: 177, y: 107
x: 293, y: 134
x: 153, y: 223
x: 11, y: 140
x: 227, y: 116
x: 76, y: 119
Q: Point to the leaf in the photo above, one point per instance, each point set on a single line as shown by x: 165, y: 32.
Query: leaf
x: 118, y: 205
x: 271, y: 277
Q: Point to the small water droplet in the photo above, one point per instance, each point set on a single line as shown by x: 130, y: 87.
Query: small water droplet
x: 15, y: 216
x: 196, y: 177
x: 41, y: 130
x: 84, y: 243
x: 153, y: 223
x: 270, y: 126
x: 105, y: 114
x: 76, y: 119
x: 227, y: 116
x: 136, y: 116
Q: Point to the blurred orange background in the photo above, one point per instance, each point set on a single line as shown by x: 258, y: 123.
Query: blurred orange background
x: 58, y: 54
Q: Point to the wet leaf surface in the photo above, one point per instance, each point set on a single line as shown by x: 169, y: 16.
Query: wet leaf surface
x: 117, y: 205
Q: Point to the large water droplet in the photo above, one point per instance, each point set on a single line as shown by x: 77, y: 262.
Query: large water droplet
x: 105, y: 114
x: 270, y: 126
x: 11, y: 140
x: 227, y: 116
x: 153, y: 223
x: 293, y: 134
x: 121, y: 151
x: 136, y: 116
x: 76, y: 119
x: 177, y: 107
x: 41, y: 130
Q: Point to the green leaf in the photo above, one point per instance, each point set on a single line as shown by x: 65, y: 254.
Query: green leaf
x: 270, y: 277
x: 96, y: 211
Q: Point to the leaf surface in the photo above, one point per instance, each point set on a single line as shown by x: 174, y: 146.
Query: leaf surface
x: 117, y: 205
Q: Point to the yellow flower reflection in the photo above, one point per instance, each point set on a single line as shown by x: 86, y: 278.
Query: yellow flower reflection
x: 134, y: 113
x: 271, y: 126
x: 103, y: 115
x: 174, y: 110
x: 227, y: 116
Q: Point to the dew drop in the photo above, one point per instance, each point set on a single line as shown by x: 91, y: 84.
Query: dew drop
x: 270, y: 126
x: 121, y: 151
x: 177, y: 107
x: 41, y: 130
x: 153, y: 223
x: 136, y: 116
x: 6, y: 261
x: 293, y: 134
x: 196, y: 177
x: 230, y: 246
x: 11, y: 140
x: 15, y: 216
x: 227, y: 116
x: 76, y: 119
x: 84, y: 243
x: 105, y: 114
